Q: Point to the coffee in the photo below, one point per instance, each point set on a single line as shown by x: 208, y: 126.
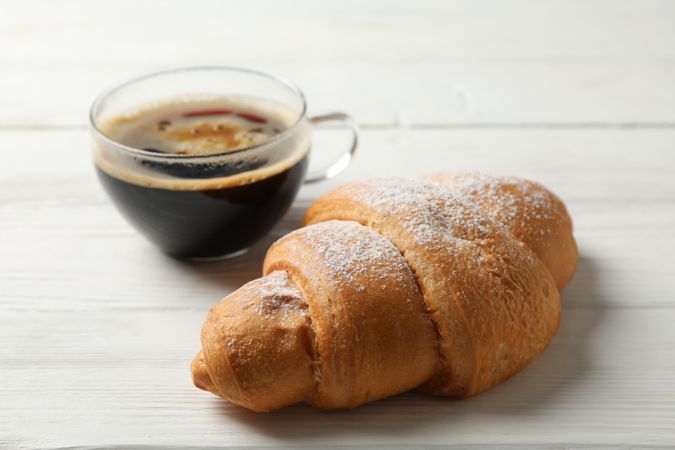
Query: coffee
x: 214, y: 174
x: 200, y: 127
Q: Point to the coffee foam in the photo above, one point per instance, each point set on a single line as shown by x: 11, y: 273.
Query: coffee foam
x: 284, y: 150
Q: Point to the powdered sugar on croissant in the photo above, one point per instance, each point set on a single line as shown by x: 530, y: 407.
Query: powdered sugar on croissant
x: 394, y: 284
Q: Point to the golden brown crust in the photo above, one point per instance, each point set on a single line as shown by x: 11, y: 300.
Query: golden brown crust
x: 337, y: 321
x: 493, y: 302
x: 373, y: 336
x: 255, y: 346
x: 394, y: 284
x: 531, y: 212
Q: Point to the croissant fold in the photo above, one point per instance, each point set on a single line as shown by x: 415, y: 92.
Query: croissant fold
x: 449, y: 285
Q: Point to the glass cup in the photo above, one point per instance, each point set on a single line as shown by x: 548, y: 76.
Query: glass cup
x: 215, y: 205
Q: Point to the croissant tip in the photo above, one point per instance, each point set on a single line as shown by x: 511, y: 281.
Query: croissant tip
x: 200, y: 376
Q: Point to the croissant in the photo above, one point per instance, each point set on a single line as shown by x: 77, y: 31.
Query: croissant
x: 448, y: 285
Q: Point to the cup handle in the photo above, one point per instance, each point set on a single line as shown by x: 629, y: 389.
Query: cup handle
x: 345, y: 158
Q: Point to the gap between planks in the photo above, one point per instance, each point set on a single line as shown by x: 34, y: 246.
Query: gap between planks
x: 422, y: 126
x: 547, y: 446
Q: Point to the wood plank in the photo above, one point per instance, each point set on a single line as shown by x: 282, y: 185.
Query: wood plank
x: 500, y: 93
x: 397, y: 30
x: 600, y: 62
x: 99, y: 379
x: 65, y: 248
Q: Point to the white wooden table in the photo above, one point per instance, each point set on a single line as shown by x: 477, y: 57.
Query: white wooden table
x: 97, y: 329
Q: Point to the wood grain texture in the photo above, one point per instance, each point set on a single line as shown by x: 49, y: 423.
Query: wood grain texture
x: 518, y: 63
x: 97, y: 329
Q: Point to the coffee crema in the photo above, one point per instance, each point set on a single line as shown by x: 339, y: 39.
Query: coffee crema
x: 216, y: 173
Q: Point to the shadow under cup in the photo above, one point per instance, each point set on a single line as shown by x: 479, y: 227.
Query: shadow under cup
x: 202, y: 206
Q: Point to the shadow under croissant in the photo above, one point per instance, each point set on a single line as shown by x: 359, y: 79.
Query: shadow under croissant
x: 557, y: 370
